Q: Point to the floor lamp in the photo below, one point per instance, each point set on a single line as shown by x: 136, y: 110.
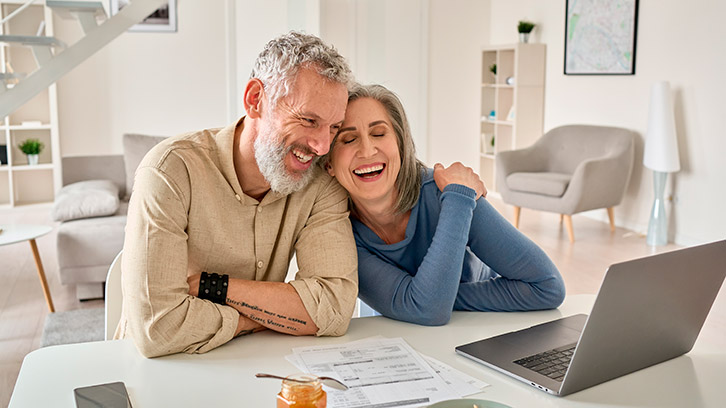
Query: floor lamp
x: 661, y: 156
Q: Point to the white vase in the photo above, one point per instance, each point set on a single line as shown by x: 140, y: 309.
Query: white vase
x: 32, y: 159
x: 524, y: 38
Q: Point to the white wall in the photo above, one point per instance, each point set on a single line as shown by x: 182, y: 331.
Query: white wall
x: 676, y: 42
x: 170, y: 83
x: 458, y: 30
x: 154, y: 83
x: 385, y: 42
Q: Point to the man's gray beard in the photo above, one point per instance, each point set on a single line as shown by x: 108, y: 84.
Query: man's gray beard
x: 270, y: 157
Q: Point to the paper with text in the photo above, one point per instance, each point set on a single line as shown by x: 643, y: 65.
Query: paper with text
x: 379, y: 373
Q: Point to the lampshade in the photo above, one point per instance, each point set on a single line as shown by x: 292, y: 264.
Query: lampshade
x: 661, y: 145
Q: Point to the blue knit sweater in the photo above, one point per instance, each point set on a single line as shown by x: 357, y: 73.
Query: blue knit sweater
x: 458, y: 254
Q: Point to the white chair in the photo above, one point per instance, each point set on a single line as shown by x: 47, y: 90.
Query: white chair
x: 114, y: 300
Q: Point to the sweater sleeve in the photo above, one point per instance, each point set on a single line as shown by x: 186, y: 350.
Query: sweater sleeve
x: 523, y: 278
x: 428, y: 297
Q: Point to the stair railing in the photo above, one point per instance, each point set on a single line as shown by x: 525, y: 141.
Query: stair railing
x: 17, y: 11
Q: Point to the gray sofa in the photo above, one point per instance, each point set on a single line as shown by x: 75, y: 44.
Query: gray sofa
x: 91, y: 230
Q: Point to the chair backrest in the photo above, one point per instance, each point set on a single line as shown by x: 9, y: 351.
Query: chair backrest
x: 570, y: 145
x: 114, y: 300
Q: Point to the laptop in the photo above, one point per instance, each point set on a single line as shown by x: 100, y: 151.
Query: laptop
x: 647, y: 311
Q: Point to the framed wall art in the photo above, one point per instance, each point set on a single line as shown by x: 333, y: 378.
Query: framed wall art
x: 161, y: 20
x: 600, y: 37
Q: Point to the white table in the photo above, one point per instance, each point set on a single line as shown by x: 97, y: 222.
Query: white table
x: 225, y: 376
x: 12, y: 234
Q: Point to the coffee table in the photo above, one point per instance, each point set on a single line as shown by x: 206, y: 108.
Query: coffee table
x: 14, y: 233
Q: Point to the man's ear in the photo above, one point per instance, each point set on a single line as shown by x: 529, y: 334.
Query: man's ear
x: 254, y: 94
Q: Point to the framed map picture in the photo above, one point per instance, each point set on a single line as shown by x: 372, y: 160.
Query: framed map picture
x: 600, y: 37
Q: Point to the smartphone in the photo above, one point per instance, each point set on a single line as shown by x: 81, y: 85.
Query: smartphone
x: 111, y: 395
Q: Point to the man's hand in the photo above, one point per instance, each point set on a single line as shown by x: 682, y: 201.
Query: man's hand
x: 457, y: 173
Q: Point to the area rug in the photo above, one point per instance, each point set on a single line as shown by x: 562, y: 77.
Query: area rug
x: 73, y: 326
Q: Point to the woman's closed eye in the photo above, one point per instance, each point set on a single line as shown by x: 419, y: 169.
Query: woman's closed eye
x: 348, y: 139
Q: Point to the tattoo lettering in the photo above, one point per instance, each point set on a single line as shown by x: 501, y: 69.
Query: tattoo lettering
x: 267, y: 312
x: 292, y: 319
x: 274, y: 323
x: 257, y: 319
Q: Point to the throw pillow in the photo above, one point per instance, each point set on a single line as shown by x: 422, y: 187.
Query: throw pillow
x: 85, y: 199
x: 135, y: 148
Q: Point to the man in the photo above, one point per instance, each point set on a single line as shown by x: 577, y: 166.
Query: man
x: 239, y: 201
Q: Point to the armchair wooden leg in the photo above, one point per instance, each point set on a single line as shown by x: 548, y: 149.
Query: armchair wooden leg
x: 568, y: 224
x: 611, y: 215
x: 517, y: 211
x: 561, y: 217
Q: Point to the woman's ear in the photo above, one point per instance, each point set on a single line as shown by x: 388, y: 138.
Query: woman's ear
x: 253, y: 96
x: 329, y: 168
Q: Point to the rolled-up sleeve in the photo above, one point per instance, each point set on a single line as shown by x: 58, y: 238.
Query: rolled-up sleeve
x: 159, y: 314
x: 327, y: 280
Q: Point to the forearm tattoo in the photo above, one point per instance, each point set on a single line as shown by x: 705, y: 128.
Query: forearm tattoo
x: 269, y: 322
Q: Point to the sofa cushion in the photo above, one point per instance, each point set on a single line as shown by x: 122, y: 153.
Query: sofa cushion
x: 85, y: 199
x: 87, y: 247
x: 549, y: 184
x: 135, y: 148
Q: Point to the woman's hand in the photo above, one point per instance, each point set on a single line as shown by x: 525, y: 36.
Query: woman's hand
x: 457, y: 173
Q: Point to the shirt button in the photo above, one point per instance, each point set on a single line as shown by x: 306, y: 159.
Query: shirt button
x: 259, y: 209
x: 260, y: 264
x: 237, y: 197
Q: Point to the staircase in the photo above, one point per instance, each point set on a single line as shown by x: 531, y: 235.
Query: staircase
x: 53, y: 57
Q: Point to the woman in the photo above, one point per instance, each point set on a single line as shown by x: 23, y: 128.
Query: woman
x: 426, y: 245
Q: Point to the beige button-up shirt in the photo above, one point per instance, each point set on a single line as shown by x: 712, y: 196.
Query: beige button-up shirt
x: 188, y: 214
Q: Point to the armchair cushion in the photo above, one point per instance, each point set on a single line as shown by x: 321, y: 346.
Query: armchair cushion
x: 85, y: 199
x: 549, y: 184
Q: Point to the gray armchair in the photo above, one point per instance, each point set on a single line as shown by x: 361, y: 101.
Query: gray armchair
x: 570, y: 169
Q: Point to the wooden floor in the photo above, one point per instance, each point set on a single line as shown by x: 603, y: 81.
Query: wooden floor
x: 23, y: 309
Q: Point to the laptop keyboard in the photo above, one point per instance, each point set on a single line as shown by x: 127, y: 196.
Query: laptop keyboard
x: 551, y: 363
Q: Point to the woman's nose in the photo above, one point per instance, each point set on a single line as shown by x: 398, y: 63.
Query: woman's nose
x: 367, y: 147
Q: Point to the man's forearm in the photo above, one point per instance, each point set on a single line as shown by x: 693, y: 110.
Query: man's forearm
x: 246, y: 326
x: 275, y: 305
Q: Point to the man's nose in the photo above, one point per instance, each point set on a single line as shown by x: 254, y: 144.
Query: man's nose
x: 320, y: 141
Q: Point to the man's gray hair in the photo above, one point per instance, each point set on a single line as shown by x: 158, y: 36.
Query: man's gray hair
x: 281, y: 59
x: 408, y: 181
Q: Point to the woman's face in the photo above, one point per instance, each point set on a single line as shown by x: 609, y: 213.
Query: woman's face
x: 365, y: 157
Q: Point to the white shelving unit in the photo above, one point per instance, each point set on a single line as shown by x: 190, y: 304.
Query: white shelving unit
x: 512, y: 112
x: 21, y: 184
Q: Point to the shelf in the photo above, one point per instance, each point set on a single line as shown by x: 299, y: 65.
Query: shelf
x: 523, y: 98
x: 26, y: 167
x: 484, y: 119
x: 21, y: 127
x: 486, y: 85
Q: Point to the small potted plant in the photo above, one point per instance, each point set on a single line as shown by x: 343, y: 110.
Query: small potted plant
x: 525, y: 28
x: 493, y: 70
x: 31, y: 148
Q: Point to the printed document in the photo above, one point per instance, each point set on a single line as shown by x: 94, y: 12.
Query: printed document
x: 379, y: 373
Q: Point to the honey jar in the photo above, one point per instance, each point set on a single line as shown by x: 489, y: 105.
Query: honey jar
x: 302, y: 391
